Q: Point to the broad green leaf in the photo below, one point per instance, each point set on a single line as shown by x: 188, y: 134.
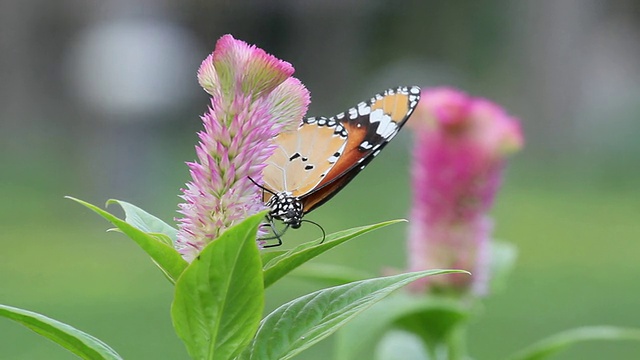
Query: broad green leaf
x: 81, y: 344
x: 435, y: 315
x: 279, y: 266
x: 330, y: 274
x: 145, y: 221
x: 165, y: 256
x: 219, y: 298
x: 162, y: 238
x: 267, y: 256
x: 503, y: 259
x: 551, y: 345
x: 304, y: 321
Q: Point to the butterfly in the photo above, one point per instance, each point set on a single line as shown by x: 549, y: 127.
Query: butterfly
x: 314, y: 162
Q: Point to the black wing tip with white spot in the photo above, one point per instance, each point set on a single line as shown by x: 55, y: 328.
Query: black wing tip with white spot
x: 406, y: 90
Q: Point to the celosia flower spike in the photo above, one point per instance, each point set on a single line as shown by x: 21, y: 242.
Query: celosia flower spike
x: 460, y: 149
x: 253, y: 98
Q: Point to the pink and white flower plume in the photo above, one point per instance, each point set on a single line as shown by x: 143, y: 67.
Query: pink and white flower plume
x: 461, y: 144
x: 253, y: 98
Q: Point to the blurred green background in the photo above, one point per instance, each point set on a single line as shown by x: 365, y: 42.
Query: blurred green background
x: 99, y: 99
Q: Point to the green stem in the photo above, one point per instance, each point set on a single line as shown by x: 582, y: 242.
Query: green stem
x: 457, y: 343
x: 451, y: 347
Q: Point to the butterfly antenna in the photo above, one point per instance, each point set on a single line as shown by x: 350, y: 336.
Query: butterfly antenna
x: 324, y: 235
x: 261, y: 187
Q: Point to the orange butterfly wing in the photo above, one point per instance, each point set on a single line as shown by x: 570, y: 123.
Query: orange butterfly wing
x: 303, y: 156
x: 369, y: 126
x: 315, y: 161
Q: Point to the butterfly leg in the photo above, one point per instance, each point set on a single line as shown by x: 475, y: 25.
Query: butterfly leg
x: 276, y: 235
x: 274, y: 245
x: 274, y: 230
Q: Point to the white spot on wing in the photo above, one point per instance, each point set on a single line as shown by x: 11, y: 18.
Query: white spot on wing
x: 387, y: 127
x: 353, y: 113
x: 366, y: 145
x: 376, y: 116
x: 363, y: 109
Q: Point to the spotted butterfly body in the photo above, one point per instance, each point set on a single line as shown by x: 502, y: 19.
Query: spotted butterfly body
x: 314, y: 162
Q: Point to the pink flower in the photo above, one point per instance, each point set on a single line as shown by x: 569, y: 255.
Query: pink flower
x: 253, y: 98
x: 460, y: 148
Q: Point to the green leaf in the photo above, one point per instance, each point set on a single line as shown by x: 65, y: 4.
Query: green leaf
x: 503, y: 259
x: 165, y: 256
x: 219, y: 298
x: 145, y: 221
x: 162, y: 238
x: 267, y: 256
x: 279, y: 266
x: 551, y: 345
x: 81, y: 344
x: 302, y: 322
x: 432, y: 318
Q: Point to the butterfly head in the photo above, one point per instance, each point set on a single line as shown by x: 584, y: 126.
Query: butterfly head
x: 286, y: 208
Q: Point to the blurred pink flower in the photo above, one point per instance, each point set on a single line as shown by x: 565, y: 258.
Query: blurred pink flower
x: 460, y: 148
x: 253, y: 98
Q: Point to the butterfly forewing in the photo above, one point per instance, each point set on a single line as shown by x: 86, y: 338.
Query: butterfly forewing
x: 318, y: 159
x: 303, y: 157
x: 371, y: 125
